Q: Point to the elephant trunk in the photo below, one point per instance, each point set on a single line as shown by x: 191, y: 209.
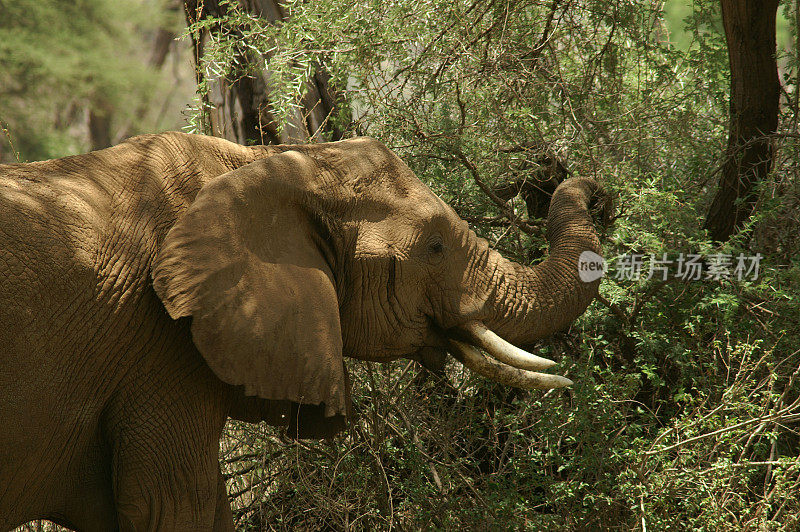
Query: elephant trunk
x: 525, y: 304
x: 536, y: 302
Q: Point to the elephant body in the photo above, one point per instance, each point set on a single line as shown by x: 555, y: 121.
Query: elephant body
x: 75, y: 235
x: 119, y: 358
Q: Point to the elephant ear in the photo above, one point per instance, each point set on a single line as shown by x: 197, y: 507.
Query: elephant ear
x: 245, y: 261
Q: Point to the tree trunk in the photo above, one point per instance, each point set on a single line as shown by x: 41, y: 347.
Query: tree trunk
x: 162, y: 45
x: 755, y: 90
x: 100, y: 124
x: 240, y: 109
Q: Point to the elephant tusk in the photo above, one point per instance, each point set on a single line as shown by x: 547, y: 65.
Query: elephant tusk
x: 503, y: 351
x: 503, y: 373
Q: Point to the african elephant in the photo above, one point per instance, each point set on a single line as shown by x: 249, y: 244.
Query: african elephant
x: 152, y: 289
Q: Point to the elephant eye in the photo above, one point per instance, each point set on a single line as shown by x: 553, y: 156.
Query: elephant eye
x: 435, y: 247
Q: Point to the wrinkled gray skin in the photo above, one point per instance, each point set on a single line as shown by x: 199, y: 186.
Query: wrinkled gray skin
x: 155, y: 288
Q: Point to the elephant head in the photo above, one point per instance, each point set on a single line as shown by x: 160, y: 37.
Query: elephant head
x: 317, y: 252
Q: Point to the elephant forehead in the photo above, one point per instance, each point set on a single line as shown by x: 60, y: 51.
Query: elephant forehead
x: 364, y: 164
x: 370, y: 182
x: 382, y: 195
x: 387, y: 179
x: 390, y: 235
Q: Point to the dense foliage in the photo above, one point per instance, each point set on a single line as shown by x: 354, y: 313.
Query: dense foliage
x: 686, y: 404
x: 685, y: 410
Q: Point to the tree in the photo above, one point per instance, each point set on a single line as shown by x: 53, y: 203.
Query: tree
x: 754, y: 93
x: 237, y: 106
x: 680, y: 382
x: 73, y: 76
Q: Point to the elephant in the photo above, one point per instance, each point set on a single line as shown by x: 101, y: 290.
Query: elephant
x: 153, y: 289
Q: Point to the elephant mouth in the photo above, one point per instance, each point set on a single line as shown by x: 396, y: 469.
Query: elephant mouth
x: 506, y: 363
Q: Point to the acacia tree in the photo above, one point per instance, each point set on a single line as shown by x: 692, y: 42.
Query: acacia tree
x: 100, y: 126
x: 754, y: 94
x: 484, y: 100
x: 237, y: 104
x: 72, y: 74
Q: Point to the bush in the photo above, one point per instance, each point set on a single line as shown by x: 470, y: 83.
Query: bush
x: 686, y: 405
